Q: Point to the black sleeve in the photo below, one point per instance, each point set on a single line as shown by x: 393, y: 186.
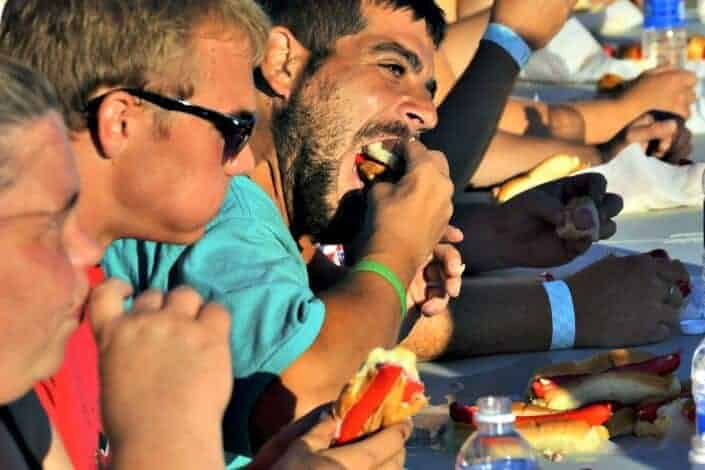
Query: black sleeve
x: 468, y: 117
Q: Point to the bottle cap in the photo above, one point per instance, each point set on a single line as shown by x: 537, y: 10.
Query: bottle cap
x: 664, y: 14
x: 494, y: 410
x: 693, y: 326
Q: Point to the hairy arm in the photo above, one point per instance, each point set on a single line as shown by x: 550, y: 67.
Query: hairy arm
x: 489, y: 317
x: 362, y: 312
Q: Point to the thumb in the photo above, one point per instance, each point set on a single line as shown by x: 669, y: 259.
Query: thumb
x: 452, y: 234
x: 105, y: 304
x: 278, y: 445
x: 321, y: 436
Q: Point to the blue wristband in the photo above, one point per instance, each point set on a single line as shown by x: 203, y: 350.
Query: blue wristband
x: 509, y: 41
x: 562, y: 314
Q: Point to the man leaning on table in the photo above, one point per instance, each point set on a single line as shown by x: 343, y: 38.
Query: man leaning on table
x: 120, y: 66
x: 363, y: 73
x: 376, y: 83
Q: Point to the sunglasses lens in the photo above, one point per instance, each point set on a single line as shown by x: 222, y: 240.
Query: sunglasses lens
x: 236, y: 139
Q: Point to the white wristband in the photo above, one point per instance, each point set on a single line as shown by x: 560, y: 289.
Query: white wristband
x: 562, y: 314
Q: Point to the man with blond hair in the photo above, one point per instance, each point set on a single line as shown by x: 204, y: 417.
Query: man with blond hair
x: 160, y: 103
x: 43, y: 284
x: 152, y: 165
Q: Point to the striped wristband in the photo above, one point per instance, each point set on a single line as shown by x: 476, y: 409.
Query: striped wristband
x: 562, y: 314
x: 381, y: 270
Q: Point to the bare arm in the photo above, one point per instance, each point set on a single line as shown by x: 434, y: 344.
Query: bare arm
x: 457, y: 50
x: 509, y: 155
x: 539, y: 119
x: 489, y: 317
x: 363, y: 310
x: 612, y: 309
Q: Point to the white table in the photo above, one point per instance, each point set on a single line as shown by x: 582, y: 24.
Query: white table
x: 508, y: 374
x: 680, y: 232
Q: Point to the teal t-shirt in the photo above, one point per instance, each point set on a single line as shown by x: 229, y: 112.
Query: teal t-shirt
x: 248, y: 261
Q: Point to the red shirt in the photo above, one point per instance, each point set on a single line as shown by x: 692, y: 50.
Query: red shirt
x: 71, y: 397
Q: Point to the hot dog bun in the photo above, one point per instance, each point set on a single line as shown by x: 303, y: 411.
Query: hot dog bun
x: 595, y: 364
x: 564, y: 437
x: 555, y: 167
x: 551, y: 438
x: 367, y: 403
x: 626, y: 387
x: 623, y: 376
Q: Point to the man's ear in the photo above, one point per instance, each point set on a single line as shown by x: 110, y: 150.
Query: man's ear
x: 284, y: 60
x: 111, y: 130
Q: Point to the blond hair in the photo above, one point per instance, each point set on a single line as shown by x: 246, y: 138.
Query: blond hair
x: 82, y: 45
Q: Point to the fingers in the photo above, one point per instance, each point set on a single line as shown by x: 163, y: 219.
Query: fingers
x: 396, y: 462
x: 585, y: 184
x: 450, y: 259
x: 321, y: 435
x: 611, y: 206
x: 215, y: 317
x: 418, y: 154
x: 670, y: 272
x: 453, y: 235
x: 659, y: 130
x: 148, y: 301
x: 277, y: 446
x: 183, y: 301
x: 542, y: 202
x: 373, y: 451
x: 106, y: 304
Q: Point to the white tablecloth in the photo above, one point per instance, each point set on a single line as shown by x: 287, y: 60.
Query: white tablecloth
x: 680, y: 232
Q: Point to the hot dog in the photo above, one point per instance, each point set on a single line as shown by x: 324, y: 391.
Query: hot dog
x: 548, y: 431
x: 385, y: 391
x: 627, y: 384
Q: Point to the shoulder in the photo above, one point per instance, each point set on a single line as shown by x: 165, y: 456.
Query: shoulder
x: 245, y: 199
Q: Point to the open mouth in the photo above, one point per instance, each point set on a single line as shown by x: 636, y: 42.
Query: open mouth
x: 380, y: 161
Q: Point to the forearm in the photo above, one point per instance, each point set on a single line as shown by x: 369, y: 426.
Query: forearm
x: 190, y: 448
x: 468, y: 117
x: 490, y: 317
x: 510, y: 155
x: 536, y: 118
x: 604, y: 118
x: 362, y: 313
x: 472, y: 7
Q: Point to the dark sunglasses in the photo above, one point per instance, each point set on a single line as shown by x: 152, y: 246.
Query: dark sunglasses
x: 235, y: 130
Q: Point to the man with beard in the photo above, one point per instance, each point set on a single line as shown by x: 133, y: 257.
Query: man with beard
x: 292, y: 350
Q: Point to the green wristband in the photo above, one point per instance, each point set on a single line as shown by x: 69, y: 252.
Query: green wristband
x: 380, y: 269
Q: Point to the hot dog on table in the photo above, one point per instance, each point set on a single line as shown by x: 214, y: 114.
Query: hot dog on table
x: 574, y: 407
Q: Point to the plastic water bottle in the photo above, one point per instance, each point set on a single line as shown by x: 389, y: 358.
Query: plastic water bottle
x: 697, y: 377
x: 495, y: 445
x: 696, y: 456
x: 665, y: 39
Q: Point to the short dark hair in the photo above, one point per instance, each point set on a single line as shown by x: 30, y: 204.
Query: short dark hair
x: 25, y: 95
x: 318, y: 24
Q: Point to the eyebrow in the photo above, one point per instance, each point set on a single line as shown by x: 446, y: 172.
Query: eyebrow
x: 410, y: 56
